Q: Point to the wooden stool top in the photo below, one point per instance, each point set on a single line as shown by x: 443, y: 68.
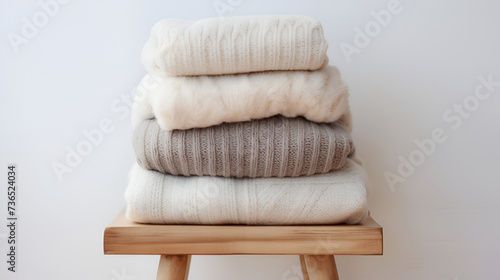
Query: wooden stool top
x: 124, y: 237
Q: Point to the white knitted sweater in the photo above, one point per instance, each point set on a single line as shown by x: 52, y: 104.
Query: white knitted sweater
x: 202, y: 101
x: 335, y: 197
x: 230, y: 45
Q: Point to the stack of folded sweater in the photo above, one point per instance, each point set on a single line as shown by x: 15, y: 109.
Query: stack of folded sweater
x: 241, y: 121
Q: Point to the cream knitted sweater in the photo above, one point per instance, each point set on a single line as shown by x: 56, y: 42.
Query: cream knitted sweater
x: 202, y: 101
x: 335, y: 197
x: 272, y: 147
x: 230, y: 45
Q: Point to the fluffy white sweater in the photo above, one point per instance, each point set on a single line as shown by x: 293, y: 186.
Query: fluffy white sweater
x: 335, y: 197
x: 202, y: 101
x: 230, y: 45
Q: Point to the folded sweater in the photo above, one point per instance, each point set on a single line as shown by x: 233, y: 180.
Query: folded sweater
x: 335, y: 197
x: 272, y: 147
x: 202, y: 101
x: 230, y: 45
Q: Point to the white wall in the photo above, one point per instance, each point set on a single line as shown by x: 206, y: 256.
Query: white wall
x: 440, y: 223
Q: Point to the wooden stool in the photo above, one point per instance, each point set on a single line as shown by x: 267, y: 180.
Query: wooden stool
x: 315, y: 244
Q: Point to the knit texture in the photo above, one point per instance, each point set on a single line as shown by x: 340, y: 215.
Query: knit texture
x: 202, y: 101
x: 336, y: 197
x: 272, y: 147
x: 230, y: 45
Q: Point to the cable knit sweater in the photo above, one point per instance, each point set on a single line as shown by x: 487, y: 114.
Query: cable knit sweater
x: 202, y: 101
x: 230, y: 45
x: 335, y: 197
x: 272, y: 147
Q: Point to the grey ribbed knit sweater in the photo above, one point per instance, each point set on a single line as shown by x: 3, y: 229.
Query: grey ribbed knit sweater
x: 271, y: 147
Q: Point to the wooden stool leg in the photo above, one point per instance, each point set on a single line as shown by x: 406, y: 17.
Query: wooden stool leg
x: 319, y: 267
x: 304, y: 267
x: 173, y: 267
